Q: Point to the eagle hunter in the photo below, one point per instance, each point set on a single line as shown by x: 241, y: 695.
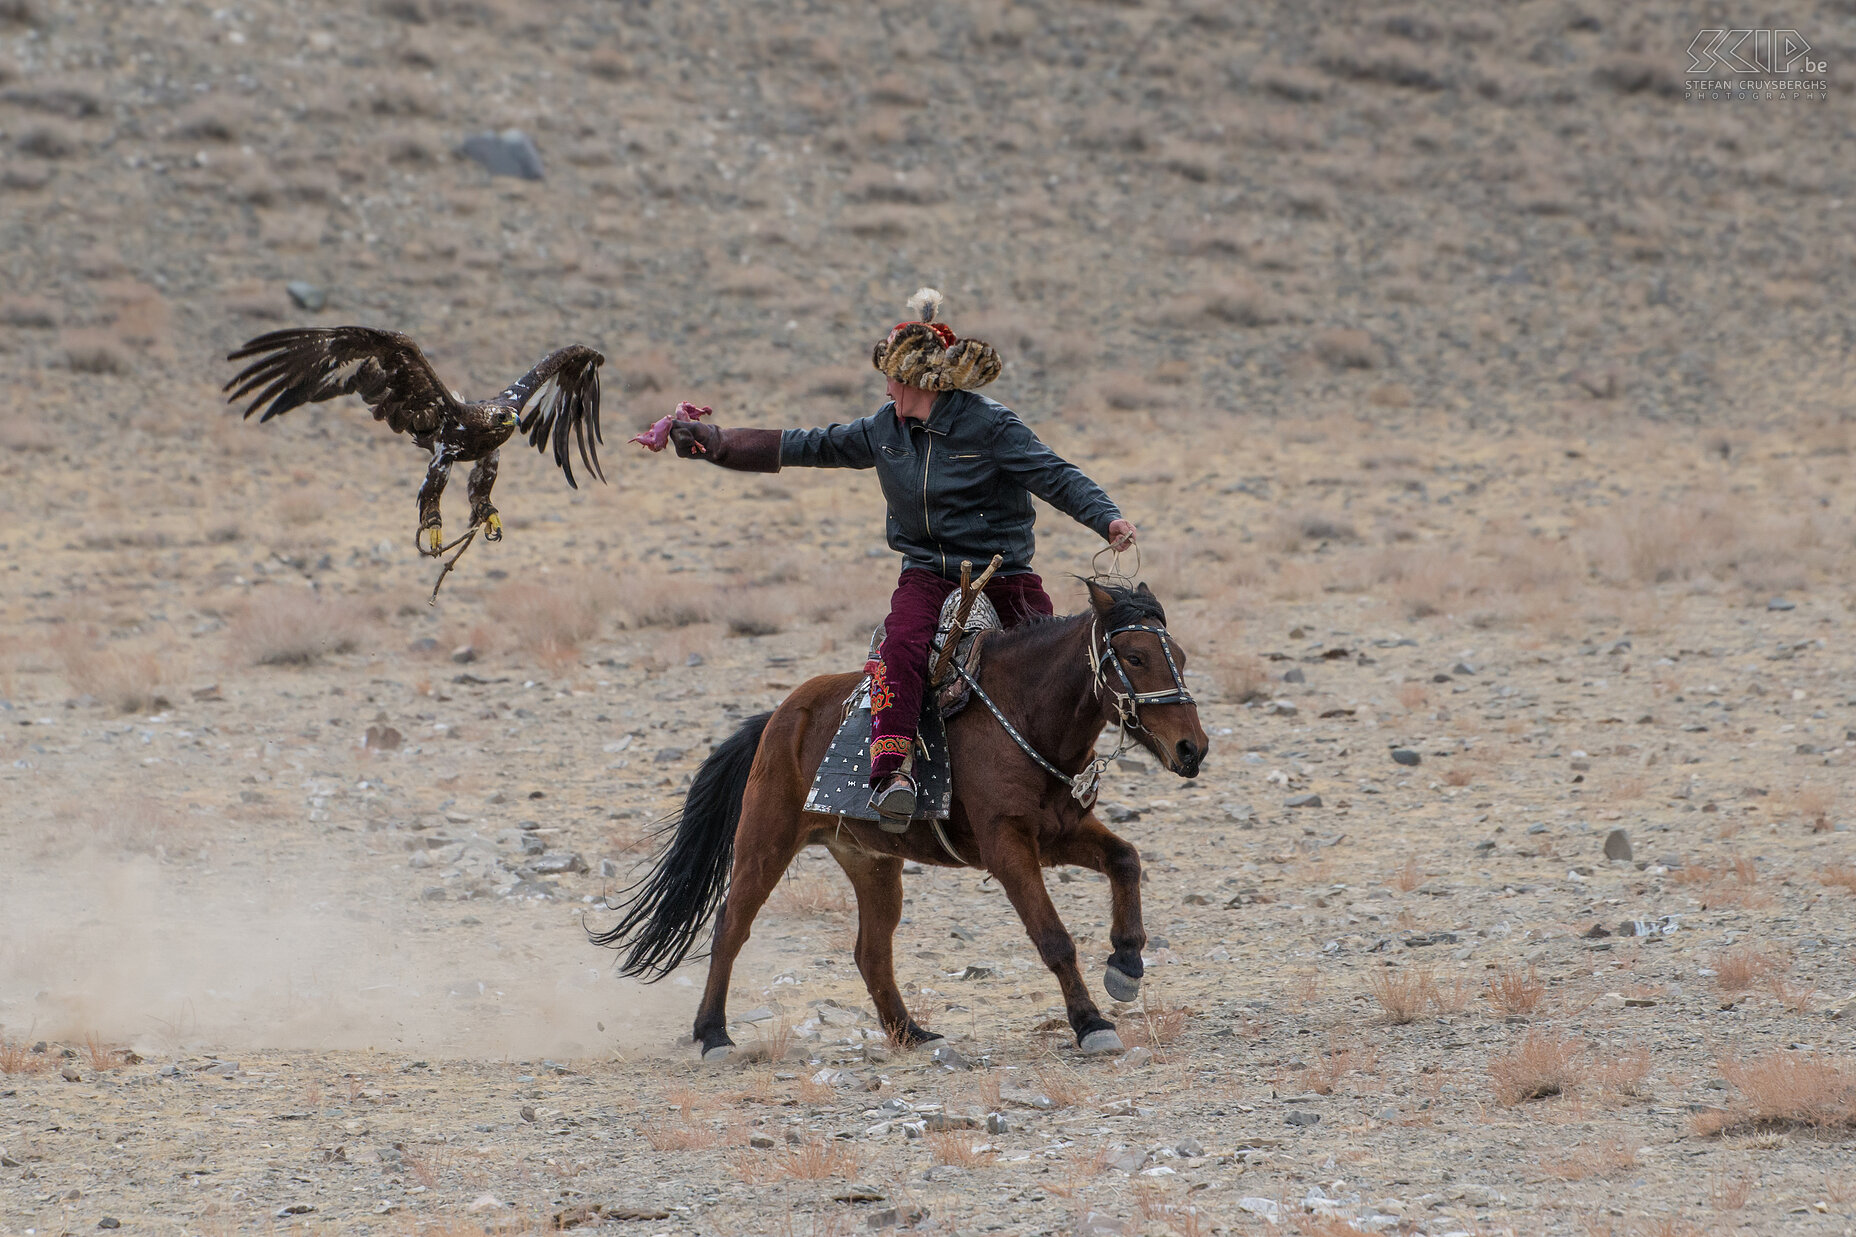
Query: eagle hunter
x: 557, y: 398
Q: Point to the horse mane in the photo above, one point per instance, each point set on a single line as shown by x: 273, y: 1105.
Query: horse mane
x: 1130, y: 605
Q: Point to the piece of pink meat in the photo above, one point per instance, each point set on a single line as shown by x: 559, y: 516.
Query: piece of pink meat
x: 655, y: 438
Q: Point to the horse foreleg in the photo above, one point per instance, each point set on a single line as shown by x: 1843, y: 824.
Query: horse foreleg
x: 1012, y: 858
x: 766, y: 840
x: 878, y: 882
x: 1093, y: 846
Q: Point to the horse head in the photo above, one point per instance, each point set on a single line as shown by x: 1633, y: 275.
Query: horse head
x: 1140, y: 676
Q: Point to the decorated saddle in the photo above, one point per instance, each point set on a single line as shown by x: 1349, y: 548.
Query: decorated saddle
x: 842, y: 785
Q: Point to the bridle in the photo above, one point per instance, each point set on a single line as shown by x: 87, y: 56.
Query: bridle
x: 1086, y: 784
x: 1127, y: 702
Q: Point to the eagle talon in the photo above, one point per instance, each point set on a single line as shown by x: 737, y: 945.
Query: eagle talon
x: 493, y: 527
x: 434, y: 538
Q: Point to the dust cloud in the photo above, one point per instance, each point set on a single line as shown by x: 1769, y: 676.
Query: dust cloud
x: 173, y: 960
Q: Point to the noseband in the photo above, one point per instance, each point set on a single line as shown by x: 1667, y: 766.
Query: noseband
x: 1126, y: 701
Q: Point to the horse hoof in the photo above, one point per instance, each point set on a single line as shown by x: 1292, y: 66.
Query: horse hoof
x: 717, y: 1054
x: 1120, y: 985
x: 1101, y: 1043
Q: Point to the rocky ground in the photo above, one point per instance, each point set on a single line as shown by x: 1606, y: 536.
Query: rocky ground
x: 1481, y: 402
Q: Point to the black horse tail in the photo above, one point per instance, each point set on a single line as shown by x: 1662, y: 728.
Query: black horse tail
x: 666, y: 910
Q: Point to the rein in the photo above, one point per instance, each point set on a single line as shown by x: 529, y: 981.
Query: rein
x: 1086, y: 784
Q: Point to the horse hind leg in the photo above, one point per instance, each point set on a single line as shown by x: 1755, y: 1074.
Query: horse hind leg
x: 766, y: 841
x: 877, y: 879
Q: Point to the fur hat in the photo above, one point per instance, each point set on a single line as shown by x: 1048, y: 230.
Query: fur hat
x: 926, y: 353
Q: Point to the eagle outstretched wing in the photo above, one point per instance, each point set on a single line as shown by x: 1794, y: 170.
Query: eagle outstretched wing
x: 561, y: 396
x: 305, y: 365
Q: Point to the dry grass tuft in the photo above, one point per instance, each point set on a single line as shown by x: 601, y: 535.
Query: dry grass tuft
x: 1063, y: 1086
x: 100, y: 1055
x: 551, y: 619
x: 124, y: 679
x: 1843, y: 874
x: 1604, y: 1160
x: 1160, y: 1024
x: 1542, y: 1065
x: 1730, y: 1193
x: 1624, y: 1074
x: 1513, y: 992
x: 1403, y: 994
x: 1409, y: 877
x: 960, y: 1148
x: 293, y: 627
x: 661, y: 599
x: 679, y: 1137
x: 1739, y: 970
x: 811, y: 1161
x: 1785, y: 1091
x: 1323, y: 1077
x: 17, y: 1058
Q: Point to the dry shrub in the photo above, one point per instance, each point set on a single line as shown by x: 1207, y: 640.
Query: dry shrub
x: 1513, y: 992
x: 1842, y: 874
x: 1542, y: 1065
x: 1403, y: 994
x: 681, y: 1137
x: 1785, y: 1091
x: 1079, y: 1169
x: 811, y: 895
x: 1730, y: 1193
x: 1063, y: 1086
x: 17, y: 1058
x: 1322, y: 1078
x: 773, y: 1038
x: 652, y: 598
x: 1348, y: 349
x: 1233, y: 303
x: 95, y: 352
x: 1735, y: 883
x: 302, y: 507
x: 1409, y: 877
x: 1604, y: 1160
x: 1653, y: 542
x: 1796, y: 998
x: 1413, y: 696
x: 551, y: 619
x: 100, y: 1055
x: 1296, y: 531
x: 1811, y: 803
x: 1739, y: 970
x: 1458, y: 775
x: 1623, y: 1074
x: 960, y: 1148
x: 1455, y: 998
x: 293, y: 627
x: 124, y: 679
x: 1160, y: 1023
x: 809, y: 1161
x: 756, y: 611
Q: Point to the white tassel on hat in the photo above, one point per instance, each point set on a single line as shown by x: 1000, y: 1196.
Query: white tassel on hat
x: 925, y: 304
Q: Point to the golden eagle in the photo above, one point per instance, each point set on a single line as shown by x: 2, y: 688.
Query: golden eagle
x: 306, y: 365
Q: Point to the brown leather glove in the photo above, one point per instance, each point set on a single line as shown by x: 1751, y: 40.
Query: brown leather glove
x: 743, y: 450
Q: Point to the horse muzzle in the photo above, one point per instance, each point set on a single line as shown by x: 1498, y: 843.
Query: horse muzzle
x: 1187, y: 756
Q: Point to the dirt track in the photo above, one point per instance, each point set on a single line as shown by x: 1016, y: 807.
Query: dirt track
x: 1476, y: 394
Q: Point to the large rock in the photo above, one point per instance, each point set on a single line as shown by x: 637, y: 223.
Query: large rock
x: 509, y: 153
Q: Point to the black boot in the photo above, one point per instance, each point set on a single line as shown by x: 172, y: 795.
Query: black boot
x: 894, y: 802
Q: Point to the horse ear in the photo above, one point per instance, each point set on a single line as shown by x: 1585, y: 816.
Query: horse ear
x: 1141, y: 590
x: 1099, y: 598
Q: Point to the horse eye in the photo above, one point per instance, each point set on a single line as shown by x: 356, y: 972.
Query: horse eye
x: 1135, y: 659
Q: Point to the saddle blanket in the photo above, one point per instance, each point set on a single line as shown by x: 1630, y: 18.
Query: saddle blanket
x: 842, y: 785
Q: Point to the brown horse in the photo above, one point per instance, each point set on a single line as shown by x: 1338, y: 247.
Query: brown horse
x: 1058, y: 682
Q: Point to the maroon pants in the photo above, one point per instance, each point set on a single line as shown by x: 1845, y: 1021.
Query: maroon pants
x: 902, y: 664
